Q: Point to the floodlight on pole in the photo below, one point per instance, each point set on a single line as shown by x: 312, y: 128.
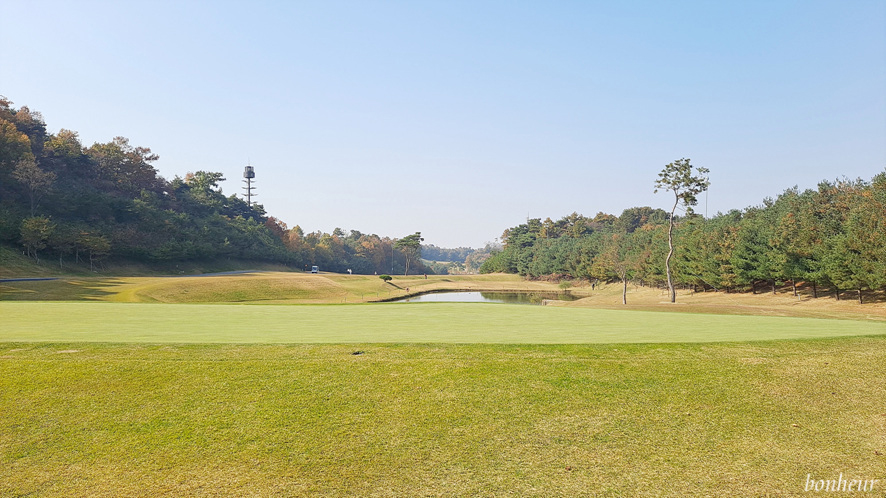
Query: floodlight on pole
x: 248, y: 175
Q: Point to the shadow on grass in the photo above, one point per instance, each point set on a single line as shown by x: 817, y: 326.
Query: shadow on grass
x: 859, y: 296
x: 59, y: 290
x: 806, y: 290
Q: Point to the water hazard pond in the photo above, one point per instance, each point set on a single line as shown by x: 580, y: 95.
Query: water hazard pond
x: 487, y: 297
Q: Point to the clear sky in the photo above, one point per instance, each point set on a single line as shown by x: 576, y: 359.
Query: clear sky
x: 460, y: 119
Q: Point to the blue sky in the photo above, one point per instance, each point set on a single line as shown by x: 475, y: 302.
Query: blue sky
x: 460, y: 119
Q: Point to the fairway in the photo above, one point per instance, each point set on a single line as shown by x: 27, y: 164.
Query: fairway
x: 396, y: 323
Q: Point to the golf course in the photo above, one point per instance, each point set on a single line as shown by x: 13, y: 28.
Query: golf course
x: 289, y: 384
x: 442, y: 249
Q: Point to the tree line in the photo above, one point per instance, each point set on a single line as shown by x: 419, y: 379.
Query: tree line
x: 830, y: 239
x: 460, y: 260
x: 83, y: 205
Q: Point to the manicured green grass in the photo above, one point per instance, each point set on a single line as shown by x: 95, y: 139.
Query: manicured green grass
x: 747, y: 419
x: 396, y: 323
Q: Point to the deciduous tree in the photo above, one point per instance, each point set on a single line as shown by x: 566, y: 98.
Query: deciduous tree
x: 35, y: 232
x: 125, y: 167
x: 35, y: 180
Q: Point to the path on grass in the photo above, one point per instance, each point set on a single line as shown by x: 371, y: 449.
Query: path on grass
x: 30, y: 279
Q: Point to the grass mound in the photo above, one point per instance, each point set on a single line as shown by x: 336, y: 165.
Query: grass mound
x: 267, y: 287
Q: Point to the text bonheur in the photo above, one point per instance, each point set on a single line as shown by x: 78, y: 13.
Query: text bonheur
x: 840, y: 484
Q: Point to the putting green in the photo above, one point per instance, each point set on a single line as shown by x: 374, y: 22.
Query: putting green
x: 395, y: 323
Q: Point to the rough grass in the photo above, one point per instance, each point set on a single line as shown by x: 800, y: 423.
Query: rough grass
x: 14, y: 264
x: 746, y: 419
x: 783, y: 303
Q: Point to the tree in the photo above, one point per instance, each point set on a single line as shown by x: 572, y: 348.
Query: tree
x: 205, y: 181
x: 866, y: 233
x: 722, y: 239
x: 695, y: 263
x: 14, y: 148
x: 834, y: 203
x: 635, y: 217
x: 35, y: 232
x: 14, y: 145
x: 859, y: 253
x: 678, y: 178
x: 37, y: 181
x: 620, y: 259
x: 31, y: 124
x: 63, y: 239
x: 278, y: 228
x: 410, y: 246
x: 97, y: 246
x: 126, y: 168
x: 754, y: 259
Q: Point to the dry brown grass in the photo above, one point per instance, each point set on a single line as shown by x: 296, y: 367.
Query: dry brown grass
x: 783, y: 303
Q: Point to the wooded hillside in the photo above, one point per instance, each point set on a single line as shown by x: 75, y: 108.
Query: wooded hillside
x: 82, y: 205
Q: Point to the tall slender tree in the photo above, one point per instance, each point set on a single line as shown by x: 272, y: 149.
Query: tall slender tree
x: 678, y: 178
x: 410, y: 246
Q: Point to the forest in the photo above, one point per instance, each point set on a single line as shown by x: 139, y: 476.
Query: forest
x: 78, y: 205
x: 830, y: 239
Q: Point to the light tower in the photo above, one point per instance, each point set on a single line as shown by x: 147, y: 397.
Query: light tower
x: 248, y: 175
